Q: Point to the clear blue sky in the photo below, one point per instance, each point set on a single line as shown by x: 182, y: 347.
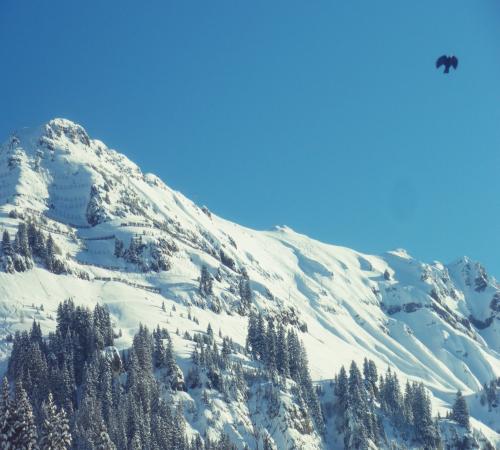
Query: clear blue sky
x: 327, y: 116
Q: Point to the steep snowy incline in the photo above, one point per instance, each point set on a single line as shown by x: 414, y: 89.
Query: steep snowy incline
x: 128, y: 240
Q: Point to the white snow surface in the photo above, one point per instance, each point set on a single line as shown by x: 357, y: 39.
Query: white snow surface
x: 435, y: 323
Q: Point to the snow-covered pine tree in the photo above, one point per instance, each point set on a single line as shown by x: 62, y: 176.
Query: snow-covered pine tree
x: 408, y: 404
x: 159, y: 349
x: 255, y: 342
x: 63, y: 431
x: 51, y: 254
x: 282, y: 355
x: 134, y: 252
x: 179, y: 429
x: 28, y: 365
x: 55, y: 433
x: 6, y: 416
x: 424, y: 428
x: 7, y: 253
x: 460, y: 411
x: 294, y: 351
x: 6, y: 244
x: 48, y: 434
x: 206, y: 283
x: 245, y: 291
x: 251, y: 334
x: 21, y: 241
x: 270, y: 350
x: 119, y: 248
x: 309, y: 393
x: 105, y: 390
x: 169, y: 358
x: 103, y: 441
x: 341, y: 390
x: 357, y: 433
x: 371, y: 377
x: 162, y: 426
x: 88, y: 415
x: 25, y: 433
x: 38, y: 242
x: 210, y: 332
x: 102, y: 326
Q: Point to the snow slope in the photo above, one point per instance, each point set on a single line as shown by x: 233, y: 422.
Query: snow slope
x: 435, y: 323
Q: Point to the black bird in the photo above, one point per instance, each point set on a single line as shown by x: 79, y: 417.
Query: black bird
x: 447, y: 62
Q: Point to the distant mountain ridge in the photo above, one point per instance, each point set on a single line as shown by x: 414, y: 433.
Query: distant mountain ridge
x: 125, y: 239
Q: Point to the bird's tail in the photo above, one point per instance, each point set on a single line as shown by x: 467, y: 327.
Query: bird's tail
x: 447, y: 69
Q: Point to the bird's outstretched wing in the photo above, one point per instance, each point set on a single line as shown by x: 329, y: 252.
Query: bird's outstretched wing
x: 454, y: 62
x: 441, y: 61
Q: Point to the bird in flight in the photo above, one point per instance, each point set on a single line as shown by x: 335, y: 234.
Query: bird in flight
x: 447, y: 62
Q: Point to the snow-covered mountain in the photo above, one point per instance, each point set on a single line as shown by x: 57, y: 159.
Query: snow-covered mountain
x: 125, y: 239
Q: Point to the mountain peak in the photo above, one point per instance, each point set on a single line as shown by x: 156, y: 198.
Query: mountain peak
x: 60, y: 128
x: 63, y: 123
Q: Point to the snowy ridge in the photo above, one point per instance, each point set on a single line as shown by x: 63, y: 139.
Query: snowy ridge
x: 129, y: 241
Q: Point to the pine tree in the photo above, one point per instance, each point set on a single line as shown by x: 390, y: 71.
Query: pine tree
x: 55, y: 428
x: 391, y: 398
x: 270, y: 349
x: 282, y: 352
x: 103, y: 329
x: 358, y: 430
x: 49, y: 434
x: 37, y: 242
x: 105, y: 390
x: 9, y: 265
x: 408, y: 404
x: 210, y: 331
x: 255, y: 342
x: 103, y: 441
x: 22, y: 243
x: 424, y: 427
x: 119, y: 248
x: 309, y: 393
x: 32, y: 232
x: 63, y: 432
x: 371, y: 377
x: 50, y: 254
x: 25, y: 433
x: 342, y: 391
x: 159, y: 349
x: 245, y: 292
x: 178, y: 429
x: 170, y: 363
x: 294, y: 350
x: 251, y: 334
x: 6, y: 416
x: 6, y: 244
x: 460, y: 411
x: 134, y: 252
x: 206, y: 282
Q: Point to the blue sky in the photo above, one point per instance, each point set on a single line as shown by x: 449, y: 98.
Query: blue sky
x: 327, y: 116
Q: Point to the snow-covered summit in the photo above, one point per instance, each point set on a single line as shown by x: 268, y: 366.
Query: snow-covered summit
x: 128, y: 240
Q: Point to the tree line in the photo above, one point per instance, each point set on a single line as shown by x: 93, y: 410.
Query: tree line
x: 28, y: 246
x: 72, y: 389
